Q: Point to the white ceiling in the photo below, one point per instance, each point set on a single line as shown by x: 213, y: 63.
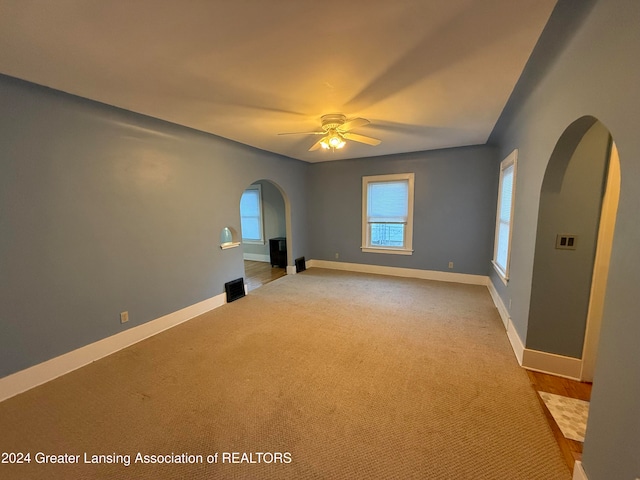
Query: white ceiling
x: 428, y: 74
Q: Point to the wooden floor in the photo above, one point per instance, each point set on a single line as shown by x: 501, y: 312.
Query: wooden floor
x: 571, y: 449
x: 261, y: 273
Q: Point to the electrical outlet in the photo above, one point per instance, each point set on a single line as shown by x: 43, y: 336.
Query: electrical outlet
x: 124, y: 317
x: 450, y: 264
x: 337, y: 255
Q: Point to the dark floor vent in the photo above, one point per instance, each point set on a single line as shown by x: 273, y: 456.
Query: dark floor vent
x: 234, y: 289
x: 301, y: 265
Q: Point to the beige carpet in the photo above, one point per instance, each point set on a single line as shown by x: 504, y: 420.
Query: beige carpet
x: 350, y: 376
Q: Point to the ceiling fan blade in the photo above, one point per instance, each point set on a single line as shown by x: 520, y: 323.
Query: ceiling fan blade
x: 302, y: 133
x: 316, y: 145
x: 351, y: 124
x: 361, y: 138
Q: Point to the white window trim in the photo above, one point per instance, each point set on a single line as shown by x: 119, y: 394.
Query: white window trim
x: 408, y: 247
x: 257, y: 187
x: 511, y: 159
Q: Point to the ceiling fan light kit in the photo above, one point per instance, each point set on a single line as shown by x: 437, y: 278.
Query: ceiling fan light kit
x: 336, y: 130
x: 333, y: 141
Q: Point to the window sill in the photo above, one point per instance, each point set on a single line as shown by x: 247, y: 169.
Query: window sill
x: 501, y: 274
x: 393, y: 251
x: 253, y: 242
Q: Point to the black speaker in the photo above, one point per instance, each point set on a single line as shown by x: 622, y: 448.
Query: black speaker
x: 234, y: 289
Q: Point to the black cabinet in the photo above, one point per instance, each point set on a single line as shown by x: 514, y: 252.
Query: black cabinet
x: 278, y: 251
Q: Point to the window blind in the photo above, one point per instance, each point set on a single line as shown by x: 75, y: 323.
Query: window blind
x: 388, y: 202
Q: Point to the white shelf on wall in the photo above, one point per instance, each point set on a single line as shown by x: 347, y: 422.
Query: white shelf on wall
x: 227, y: 237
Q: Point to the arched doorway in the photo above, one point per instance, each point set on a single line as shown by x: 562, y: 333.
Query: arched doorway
x: 264, y: 218
x: 601, y: 265
x: 576, y: 219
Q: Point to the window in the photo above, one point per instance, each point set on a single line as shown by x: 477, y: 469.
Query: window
x: 387, y: 213
x: 504, y: 215
x: 251, y: 215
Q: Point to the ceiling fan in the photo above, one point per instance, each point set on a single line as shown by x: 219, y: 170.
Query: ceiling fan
x: 335, y: 130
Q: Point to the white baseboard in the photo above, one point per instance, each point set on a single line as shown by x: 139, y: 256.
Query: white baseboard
x: 43, y: 372
x: 538, y: 361
x: 578, y: 471
x: 553, y: 364
x: 401, y: 272
x: 256, y: 257
x: 38, y: 374
x: 516, y: 343
x: 497, y: 301
x: 544, y: 362
x: 512, y: 334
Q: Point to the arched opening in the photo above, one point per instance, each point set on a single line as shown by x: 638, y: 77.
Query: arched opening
x: 576, y: 220
x: 265, y: 232
x: 601, y: 265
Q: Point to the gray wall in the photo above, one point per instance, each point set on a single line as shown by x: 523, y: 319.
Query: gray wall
x: 104, y: 211
x: 273, y: 218
x: 570, y: 203
x: 586, y: 64
x: 454, y: 209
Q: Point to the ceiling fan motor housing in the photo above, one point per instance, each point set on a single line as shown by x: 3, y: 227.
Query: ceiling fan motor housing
x: 332, y: 121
